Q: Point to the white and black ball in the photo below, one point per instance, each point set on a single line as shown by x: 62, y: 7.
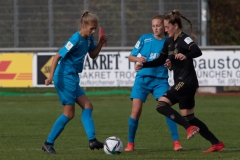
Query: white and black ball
x: 113, y: 145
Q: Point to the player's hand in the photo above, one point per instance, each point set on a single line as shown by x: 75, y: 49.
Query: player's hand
x: 180, y: 56
x: 103, y: 39
x: 168, y: 64
x: 141, y: 59
x: 138, y: 66
x: 48, y: 81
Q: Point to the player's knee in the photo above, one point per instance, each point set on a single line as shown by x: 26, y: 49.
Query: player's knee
x: 88, y: 105
x: 136, y: 114
x: 69, y: 115
x: 162, y: 107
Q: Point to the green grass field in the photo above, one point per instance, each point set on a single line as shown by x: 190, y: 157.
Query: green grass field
x: 27, y: 120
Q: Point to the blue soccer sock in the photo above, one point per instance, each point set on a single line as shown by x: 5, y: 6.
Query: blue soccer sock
x: 88, y: 123
x: 173, y: 129
x: 132, y: 129
x: 57, y: 128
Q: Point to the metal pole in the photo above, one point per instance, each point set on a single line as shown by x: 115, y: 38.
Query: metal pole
x: 50, y: 22
x: 86, y: 6
x: 123, y: 24
x: 203, y: 23
x: 161, y: 7
x: 16, y: 35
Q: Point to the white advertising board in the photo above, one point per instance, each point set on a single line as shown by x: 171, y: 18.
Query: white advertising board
x: 218, y: 68
x: 112, y: 69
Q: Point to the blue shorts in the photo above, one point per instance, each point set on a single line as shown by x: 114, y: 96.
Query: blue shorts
x: 145, y: 85
x: 68, y: 88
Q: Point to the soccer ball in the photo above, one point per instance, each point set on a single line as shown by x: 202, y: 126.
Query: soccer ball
x: 113, y: 145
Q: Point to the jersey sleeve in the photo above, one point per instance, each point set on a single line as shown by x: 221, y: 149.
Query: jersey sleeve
x: 138, y: 46
x: 69, y: 45
x: 92, y: 45
x: 194, y: 50
x: 187, y: 42
x: 165, y: 47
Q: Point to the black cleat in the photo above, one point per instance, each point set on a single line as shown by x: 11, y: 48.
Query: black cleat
x: 48, y: 148
x: 95, y: 145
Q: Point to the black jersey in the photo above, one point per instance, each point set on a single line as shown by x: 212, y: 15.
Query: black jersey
x: 183, y: 69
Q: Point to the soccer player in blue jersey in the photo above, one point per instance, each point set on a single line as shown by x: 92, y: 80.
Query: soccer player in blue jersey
x: 149, y: 80
x: 66, y: 65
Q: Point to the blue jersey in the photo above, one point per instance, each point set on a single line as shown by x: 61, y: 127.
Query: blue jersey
x: 150, y: 48
x: 73, y: 54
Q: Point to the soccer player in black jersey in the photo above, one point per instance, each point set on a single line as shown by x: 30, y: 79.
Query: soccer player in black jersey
x: 180, y: 49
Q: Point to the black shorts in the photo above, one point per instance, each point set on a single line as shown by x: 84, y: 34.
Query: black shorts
x: 181, y: 94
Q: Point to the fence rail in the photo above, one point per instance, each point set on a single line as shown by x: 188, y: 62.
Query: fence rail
x: 55, y: 49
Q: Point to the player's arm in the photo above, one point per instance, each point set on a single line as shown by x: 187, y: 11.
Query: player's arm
x: 168, y: 64
x: 132, y: 58
x: 53, y: 67
x: 93, y: 54
x: 194, y: 51
x: 156, y: 62
x: 135, y: 55
x: 160, y: 60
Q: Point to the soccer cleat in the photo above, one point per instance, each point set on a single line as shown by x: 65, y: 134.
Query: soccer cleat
x: 177, y: 146
x: 130, y: 146
x: 192, y: 130
x: 95, y: 145
x: 48, y: 148
x: 215, y: 148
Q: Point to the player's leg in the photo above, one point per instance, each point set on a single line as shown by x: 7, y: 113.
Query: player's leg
x: 170, y: 98
x: 66, y: 96
x: 160, y: 87
x: 68, y: 114
x: 206, y: 133
x: 164, y: 108
x: 87, y: 119
x: 174, y: 133
x: 187, y: 110
x: 139, y: 95
x: 133, y: 123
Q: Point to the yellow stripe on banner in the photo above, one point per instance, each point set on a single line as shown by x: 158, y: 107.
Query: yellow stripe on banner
x: 16, y: 69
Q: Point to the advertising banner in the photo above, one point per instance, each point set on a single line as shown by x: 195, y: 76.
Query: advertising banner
x: 218, y: 68
x: 112, y: 69
x: 16, y: 69
x: 109, y: 69
x: 42, y: 67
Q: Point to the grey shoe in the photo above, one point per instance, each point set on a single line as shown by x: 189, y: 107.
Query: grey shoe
x: 48, y: 148
x: 95, y: 144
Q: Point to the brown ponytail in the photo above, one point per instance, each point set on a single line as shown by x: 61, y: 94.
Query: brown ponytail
x: 175, y: 17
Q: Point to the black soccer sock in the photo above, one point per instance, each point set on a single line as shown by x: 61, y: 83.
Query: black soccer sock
x: 204, y: 131
x: 166, y: 110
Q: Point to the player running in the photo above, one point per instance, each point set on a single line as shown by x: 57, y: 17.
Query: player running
x: 181, y: 50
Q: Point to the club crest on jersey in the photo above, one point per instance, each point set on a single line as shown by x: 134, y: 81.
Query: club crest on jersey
x: 175, y: 51
x: 69, y: 45
x: 188, y: 40
x: 175, y: 45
